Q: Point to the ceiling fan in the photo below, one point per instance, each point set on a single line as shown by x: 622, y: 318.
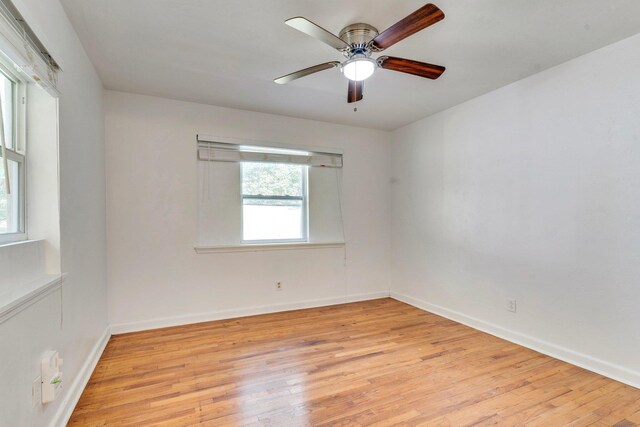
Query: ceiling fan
x: 359, y: 41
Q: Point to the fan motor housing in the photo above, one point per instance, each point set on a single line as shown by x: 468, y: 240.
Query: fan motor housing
x: 358, y: 34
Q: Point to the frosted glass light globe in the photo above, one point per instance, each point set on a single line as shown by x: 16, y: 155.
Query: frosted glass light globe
x: 358, y: 69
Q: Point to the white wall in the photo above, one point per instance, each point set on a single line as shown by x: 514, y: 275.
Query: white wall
x: 75, y: 319
x: 531, y: 192
x: 43, y: 200
x: 155, y: 276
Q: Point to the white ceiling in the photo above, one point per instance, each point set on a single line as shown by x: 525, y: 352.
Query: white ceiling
x: 227, y: 52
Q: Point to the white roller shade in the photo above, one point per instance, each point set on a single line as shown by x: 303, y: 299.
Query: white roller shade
x: 225, y: 152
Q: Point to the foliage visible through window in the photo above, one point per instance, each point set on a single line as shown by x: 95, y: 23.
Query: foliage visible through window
x: 11, y: 205
x: 274, y: 202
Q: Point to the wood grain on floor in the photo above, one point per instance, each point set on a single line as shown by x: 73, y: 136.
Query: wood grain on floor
x: 373, y: 363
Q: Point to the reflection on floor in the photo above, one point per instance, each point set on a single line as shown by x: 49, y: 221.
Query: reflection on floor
x: 378, y: 362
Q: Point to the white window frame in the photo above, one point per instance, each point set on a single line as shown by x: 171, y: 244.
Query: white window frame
x: 304, y: 232
x: 17, y: 153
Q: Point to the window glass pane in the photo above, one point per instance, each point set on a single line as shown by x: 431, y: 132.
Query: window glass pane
x: 9, y: 203
x: 272, y: 219
x: 272, y: 179
x: 273, y: 201
x: 6, y: 94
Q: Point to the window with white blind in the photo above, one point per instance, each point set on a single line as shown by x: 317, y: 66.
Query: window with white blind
x: 27, y: 72
x: 253, y: 194
x: 29, y: 190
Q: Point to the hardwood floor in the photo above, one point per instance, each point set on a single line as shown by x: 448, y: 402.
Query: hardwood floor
x: 376, y: 363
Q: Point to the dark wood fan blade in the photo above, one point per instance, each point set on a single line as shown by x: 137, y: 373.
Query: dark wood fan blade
x: 301, y: 73
x: 427, y: 15
x: 354, y: 94
x: 409, y: 66
x: 316, y: 31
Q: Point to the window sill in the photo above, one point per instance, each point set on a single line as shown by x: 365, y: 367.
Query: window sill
x: 15, y: 300
x: 266, y: 247
x: 15, y: 239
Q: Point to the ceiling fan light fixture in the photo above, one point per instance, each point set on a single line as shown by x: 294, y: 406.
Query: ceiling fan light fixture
x: 358, y: 41
x: 359, y: 68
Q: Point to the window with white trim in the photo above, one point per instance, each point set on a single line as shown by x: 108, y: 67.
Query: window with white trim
x: 12, y: 158
x: 257, y: 195
x: 274, y: 202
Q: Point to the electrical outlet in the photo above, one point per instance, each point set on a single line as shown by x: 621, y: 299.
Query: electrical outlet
x: 511, y: 305
x: 36, y: 392
x: 278, y: 286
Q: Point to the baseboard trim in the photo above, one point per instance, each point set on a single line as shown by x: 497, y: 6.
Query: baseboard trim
x: 72, y: 396
x: 610, y: 370
x: 145, y: 325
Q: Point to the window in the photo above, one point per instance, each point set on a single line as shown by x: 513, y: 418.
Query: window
x: 251, y: 196
x: 12, y: 205
x: 274, y: 202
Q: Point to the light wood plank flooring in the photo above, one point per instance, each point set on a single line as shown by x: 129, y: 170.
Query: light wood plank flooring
x: 376, y: 363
